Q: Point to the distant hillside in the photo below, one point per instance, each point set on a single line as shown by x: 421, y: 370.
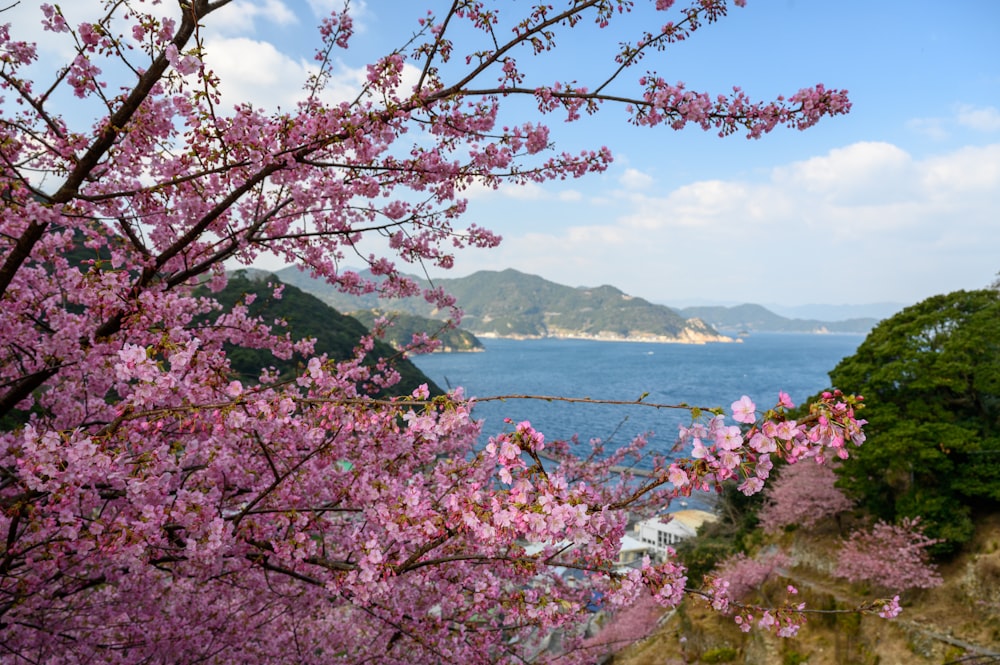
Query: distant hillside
x: 875, y: 310
x: 405, y: 326
x: 514, y: 304
x: 755, y: 318
x: 306, y: 316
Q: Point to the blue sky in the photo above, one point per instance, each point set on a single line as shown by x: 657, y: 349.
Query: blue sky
x: 897, y: 201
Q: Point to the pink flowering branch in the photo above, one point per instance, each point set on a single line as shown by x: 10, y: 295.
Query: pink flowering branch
x: 146, y: 493
x: 621, y: 629
x: 472, y: 521
x: 786, y: 619
x: 736, y: 579
x: 743, y: 575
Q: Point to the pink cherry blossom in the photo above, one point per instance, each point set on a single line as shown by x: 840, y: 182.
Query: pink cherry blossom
x: 802, y: 495
x: 893, y: 556
x: 744, y: 410
x: 891, y: 609
x: 160, y: 508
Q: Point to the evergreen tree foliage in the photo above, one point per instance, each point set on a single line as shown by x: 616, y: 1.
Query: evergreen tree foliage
x: 930, y: 376
x: 304, y: 316
x: 403, y: 326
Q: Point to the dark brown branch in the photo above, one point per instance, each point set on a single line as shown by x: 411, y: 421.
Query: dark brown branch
x: 435, y: 46
x: 83, y: 169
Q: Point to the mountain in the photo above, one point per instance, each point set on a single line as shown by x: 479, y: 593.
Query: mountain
x: 514, y: 304
x: 511, y: 304
x: 755, y: 318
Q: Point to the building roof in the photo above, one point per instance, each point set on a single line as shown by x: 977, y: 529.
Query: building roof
x: 630, y: 544
x: 683, y: 523
x: 693, y: 518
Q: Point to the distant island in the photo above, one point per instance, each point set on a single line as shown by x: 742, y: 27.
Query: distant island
x: 512, y: 304
x: 516, y: 305
x: 756, y: 318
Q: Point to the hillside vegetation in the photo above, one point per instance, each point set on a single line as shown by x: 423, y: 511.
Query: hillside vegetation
x: 931, y: 380
x: 404, y: 326
x: 957, y: 622
x: 304, y: 315
x: 513, y: 304
x: 930, y: 377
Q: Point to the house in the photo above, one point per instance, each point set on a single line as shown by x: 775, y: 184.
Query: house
x: 630, y: 554
x: 631, y: 551
x: 659, y: 533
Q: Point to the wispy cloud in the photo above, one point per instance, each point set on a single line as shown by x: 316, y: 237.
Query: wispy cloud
x: 636, y: 179
x: 864, y: 222
x: 983, y: 119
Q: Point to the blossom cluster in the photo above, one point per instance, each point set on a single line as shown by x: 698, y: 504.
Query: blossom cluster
x: 744, y: 575
x: 743, y: 452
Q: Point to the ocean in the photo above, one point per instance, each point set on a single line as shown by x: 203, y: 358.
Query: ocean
x: 703, y: 375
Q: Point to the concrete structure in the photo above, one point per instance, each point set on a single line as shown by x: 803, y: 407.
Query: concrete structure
x: 632, y: 550
x: 659, y: 533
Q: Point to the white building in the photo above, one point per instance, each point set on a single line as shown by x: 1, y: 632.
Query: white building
x: 631, y: 551
x: 667, y: 530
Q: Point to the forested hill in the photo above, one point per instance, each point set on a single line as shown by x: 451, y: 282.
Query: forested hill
x: 307, y: 316
x: 755, y: 318
x: 514, y: 304
x: 405, y: 326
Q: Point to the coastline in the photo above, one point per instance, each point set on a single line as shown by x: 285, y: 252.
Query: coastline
x: 689, y: 338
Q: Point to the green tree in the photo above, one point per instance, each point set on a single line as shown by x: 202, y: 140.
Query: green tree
x: 930, y: 376
x: 305, y: 316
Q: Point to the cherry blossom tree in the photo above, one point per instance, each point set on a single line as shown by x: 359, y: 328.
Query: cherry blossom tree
x: 155, y: 509
x: 802, y: 494
x: 890, y: 556
x: 621, y: 629
x: 745, y: 575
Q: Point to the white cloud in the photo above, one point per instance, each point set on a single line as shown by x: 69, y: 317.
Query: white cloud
x: 932, y: 128
x: 597, y: 236
x: 700, y: 204
x: 257, y: 72
x: 527, y: 192
x: 862, y: 223
x: 245, y: 17
x: 868, y: 173
x: 636, y: 179
x: 962, y: 173
x: 983, y: 119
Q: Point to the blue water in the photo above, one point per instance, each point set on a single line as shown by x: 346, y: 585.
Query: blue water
x: 703, y: 375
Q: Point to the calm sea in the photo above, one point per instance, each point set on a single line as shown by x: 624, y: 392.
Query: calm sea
x: 704, y: 375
